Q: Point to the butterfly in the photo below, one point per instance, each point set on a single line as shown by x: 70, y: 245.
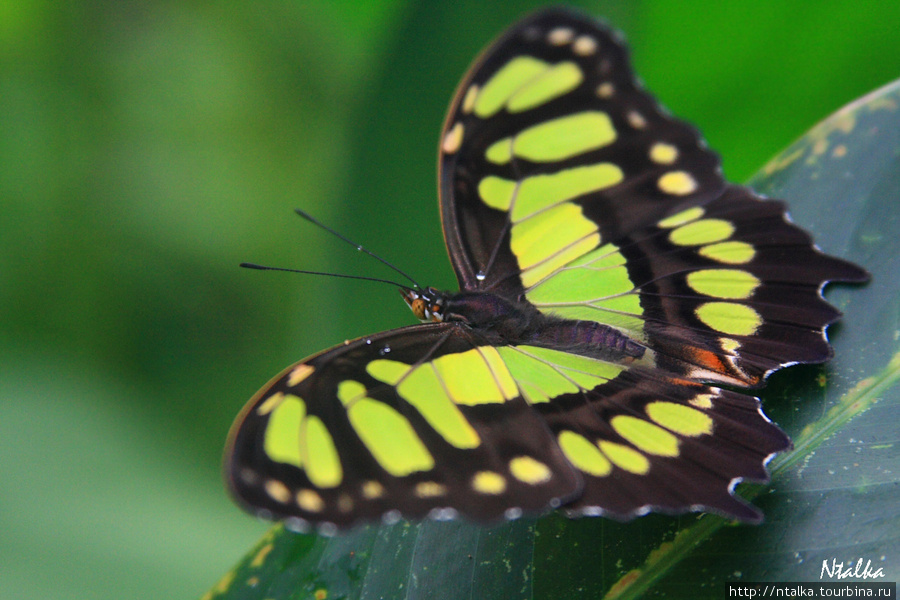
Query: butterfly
x: 615, y: 292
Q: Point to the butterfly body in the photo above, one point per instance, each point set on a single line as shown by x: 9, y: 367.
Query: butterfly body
x: 616, y: 293
x: 493, y: 320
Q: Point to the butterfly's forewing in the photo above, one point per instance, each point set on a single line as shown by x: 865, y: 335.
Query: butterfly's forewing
x: 407, y: 422
x: 548, y: 115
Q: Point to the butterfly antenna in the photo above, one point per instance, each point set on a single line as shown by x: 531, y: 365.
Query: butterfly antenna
x: 265, y: 268
x: 359, y: 247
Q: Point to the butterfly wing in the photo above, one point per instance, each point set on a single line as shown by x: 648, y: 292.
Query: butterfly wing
x: 647, y: 441
x: 413, y: 421
x: 549, y: 120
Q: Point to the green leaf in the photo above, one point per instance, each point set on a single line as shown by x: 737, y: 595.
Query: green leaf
x: 832, y: 497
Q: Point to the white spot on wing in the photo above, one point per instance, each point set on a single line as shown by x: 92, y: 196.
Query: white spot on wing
x: 560, y: 36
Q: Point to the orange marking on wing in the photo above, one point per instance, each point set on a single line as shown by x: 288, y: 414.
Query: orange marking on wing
x: 713, y: 362
x: 686, y: 382
x: 708, y: 360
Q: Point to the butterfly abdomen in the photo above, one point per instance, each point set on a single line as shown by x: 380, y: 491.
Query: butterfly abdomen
x: 588, y: 338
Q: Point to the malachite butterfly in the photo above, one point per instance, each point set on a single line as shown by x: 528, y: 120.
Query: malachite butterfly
x: 614, y: 291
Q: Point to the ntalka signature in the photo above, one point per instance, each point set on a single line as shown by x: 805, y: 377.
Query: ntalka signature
x: 836, y: 570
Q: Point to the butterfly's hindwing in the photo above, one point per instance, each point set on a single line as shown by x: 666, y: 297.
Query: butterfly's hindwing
x: 647, y: 441
x: 731, y: 291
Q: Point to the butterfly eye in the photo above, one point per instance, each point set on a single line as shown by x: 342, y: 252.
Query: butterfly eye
x: 419, y: 309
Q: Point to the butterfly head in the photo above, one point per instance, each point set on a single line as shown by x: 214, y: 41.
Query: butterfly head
x: 427, y: 304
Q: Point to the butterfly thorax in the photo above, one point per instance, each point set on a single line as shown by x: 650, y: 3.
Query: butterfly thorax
x: 499, y: 321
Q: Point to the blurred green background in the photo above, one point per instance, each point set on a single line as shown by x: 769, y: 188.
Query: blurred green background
x: 146, y: 148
